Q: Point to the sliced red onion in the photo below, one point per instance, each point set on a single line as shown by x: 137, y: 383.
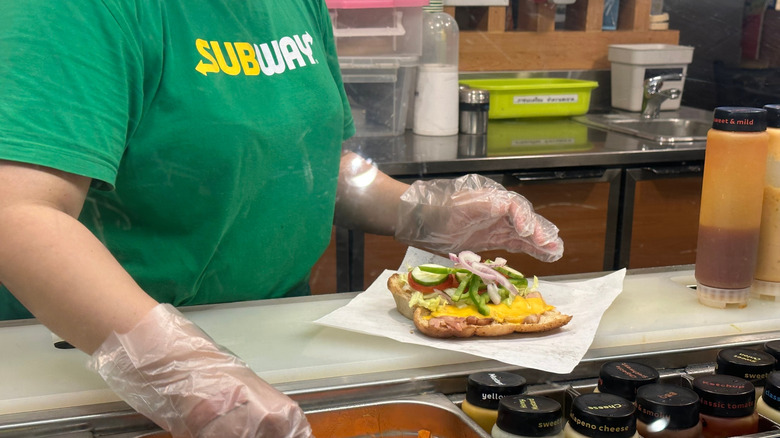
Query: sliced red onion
x: 444, y: 295
x: 472, y: 262
x: 492, y: 291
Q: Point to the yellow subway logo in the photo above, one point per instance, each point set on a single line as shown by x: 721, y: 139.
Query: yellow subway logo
x: 243, y: 58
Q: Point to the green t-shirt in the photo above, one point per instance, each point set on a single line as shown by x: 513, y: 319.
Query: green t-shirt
x: 212, y: 131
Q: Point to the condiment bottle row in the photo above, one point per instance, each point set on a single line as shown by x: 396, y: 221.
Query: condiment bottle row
x: 630, y: 400
x: 738, y: 243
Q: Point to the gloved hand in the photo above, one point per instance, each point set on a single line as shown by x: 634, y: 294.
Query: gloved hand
x: 474, y: 213
x: 173, y: 373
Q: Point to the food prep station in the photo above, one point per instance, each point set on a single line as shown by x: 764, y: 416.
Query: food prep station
x: 355, y: 385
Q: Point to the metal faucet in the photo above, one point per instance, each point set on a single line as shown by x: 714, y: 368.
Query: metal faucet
x: 653, y: 96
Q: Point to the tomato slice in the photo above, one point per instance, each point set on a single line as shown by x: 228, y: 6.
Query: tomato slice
x: 451, y: 281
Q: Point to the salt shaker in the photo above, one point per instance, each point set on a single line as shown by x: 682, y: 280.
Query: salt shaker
x: 474, y: 106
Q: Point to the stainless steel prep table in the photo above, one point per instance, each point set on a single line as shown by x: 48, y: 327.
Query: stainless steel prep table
x: 655, y: 320
x: 619, y: 159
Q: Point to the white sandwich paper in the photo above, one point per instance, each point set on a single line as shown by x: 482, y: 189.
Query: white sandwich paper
x: 373, y: 312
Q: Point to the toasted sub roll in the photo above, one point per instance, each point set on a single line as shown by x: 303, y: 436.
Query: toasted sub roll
x: 464, y: 327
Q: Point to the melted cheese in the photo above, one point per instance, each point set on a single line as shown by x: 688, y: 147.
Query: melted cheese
x: 520, y: 309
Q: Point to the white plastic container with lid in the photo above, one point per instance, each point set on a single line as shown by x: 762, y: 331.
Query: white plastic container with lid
x: 377, y: 27
x: 380, y: 90
x: 633, y: 63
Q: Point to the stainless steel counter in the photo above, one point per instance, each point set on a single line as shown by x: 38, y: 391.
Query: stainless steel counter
x: 47, y: 392
x: 523, y: 144
x: 531, y: 150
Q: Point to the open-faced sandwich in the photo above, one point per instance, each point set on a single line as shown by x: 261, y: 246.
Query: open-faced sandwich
x: 472, y: 298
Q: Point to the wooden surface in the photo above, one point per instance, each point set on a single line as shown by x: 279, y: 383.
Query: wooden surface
x: 491, y: 39
x: 535, y: 51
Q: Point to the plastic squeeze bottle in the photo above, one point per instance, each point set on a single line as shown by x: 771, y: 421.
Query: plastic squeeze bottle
x: 766, y: 283
x: 731, y: 201
x: 484, y: 392
x: 436, y: 98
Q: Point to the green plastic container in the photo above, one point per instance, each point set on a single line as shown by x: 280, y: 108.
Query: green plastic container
x: 537, y: 136
x: 535, y: 97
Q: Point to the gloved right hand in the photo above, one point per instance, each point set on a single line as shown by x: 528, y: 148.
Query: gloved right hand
x: 169, y: 370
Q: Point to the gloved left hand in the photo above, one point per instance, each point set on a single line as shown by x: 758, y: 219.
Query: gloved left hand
x: 169, y: 370
x: 474, y: 213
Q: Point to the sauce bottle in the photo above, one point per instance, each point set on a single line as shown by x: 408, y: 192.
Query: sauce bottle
x: 751, y: 365
x: 731, y: 205
x: 773, y: 348
x: 667, y: 411
x: 727, y: 406
x: 525, y: 416
x: 766, y: 284
x: 623, y: 378
x: 769, y: 403
x: 485, y: 390
x: 601, y: 415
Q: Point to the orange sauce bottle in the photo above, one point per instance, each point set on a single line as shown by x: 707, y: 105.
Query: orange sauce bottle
x: 731, y: 204
x: 767, y: 276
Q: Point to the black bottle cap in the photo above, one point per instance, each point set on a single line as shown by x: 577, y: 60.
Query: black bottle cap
x: 603, y: 415
x: 773, y: 348
x: 486, y: 389
x: 739, y: 119
x: 623, y: 378
x: 530, y: 415
x: 677, y: 407
x: 721, y: 395
x: 771, y: 395
x: 752, y: 365
x: 772, y: 115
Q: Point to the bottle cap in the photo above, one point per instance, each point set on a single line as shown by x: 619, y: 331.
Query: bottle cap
x: 739, y: 119
x: 771, y: 395
x: 474, y: 95
x: 486, y: 389
x: 434, y: 6
x: 721, y: 395
x: 623, y: 378
x: 722, y: 298
x: 772, y: 115
x: 752, y: 365
x: 773, y: 348
x: 667, y: 407
x: 530, y: 415
x: 608, y: 415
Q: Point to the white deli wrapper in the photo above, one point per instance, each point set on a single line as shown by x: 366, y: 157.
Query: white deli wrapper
x: 558, y: 351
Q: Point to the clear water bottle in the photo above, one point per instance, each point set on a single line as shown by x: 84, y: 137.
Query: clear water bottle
x: 437, y: 94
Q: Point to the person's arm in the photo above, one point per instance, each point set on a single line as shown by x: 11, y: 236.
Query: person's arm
x: 367, y: 198
x: 55, y: 266
x: 445, y: 215
x: 155, y: 359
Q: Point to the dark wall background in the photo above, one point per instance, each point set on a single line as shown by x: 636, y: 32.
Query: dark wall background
x: 718, y: 75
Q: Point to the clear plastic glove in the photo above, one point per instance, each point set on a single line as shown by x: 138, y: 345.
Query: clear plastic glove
x: 169, y: 370
x: 477, y: 214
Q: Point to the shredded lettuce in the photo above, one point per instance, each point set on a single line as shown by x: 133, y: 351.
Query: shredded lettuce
x: 431, y: 304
